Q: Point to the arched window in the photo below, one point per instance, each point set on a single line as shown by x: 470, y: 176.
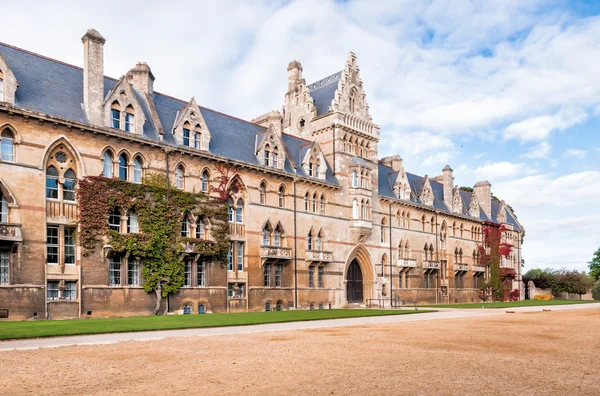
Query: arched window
x: 367, y: 209
x: 197, y: 137
x: 266, y: 237
x: 185, y: 226
x: 309, y: 241
x: 115, y: 115
x: 186, y: 134
x: 423, y: 221
x: 108, y: 164
x: 179, y: 177
x: 205, y: 181
x: 239, y: 211
x: 1, y: 87
x: 3, y: 209
x: 277, y: 237
x: 382, y: 236
x: 281, y: 196
x: 461, y: 229
x: 319, y: 241
x: 314, y: 203
x: 311, y: 168
x: 51, y: 183
x: 133, y: 223
x: 354, y: 209
x: 267, y: 155
x: 362, y: 208
x: 407, y: 220
x: 262, y: 193
x: 306, y: 202
x: 7, y: 146
x: 355, y: 179
x: 407, y: 253
x: 318, y: 168
x: 69, y: 185
x: 200, y: 229
x: 432, y: 224
x: 114, y: 220
x: 123, y: 168
x: 276, y: 157
x: 137, y: 170
x: 322, y: 204
x: 230, y: 210
x: 129, y: 119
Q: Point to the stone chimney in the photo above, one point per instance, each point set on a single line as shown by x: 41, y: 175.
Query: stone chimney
x: 393, y: 161
x: 141, y: 78
x: 93, y: 75
x: 483, y: 191
x: 448, y: 181
x: 294, y: 75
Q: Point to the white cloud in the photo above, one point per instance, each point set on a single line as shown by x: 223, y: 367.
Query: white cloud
x: 538, y: 128
x: 500, y: 170
x: 575, y: 153
x: 440, y: 158
x: 413, y: 143
x: 541, y: 150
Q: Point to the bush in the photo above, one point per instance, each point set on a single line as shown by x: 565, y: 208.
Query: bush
x: 570, y: 281
x: 514, y: 295
x: 596, y: 291
x: 542, y: 279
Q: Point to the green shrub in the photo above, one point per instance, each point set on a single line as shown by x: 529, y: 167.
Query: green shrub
x: 596, y: 291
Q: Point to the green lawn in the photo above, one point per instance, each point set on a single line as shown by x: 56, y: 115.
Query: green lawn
x: 51, y: 328
x: 524, y: 303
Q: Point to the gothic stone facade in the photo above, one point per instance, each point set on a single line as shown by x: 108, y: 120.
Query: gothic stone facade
x: 319, y: 222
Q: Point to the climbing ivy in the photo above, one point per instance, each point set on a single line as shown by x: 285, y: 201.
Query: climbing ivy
x: 160, y: 209
x: 491, y: 251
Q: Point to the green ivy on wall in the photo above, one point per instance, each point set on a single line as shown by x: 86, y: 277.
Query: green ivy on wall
x: 158, y: 244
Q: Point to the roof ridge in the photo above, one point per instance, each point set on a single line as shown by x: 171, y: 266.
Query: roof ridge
x: 50, y: 59
x: 231, y: 116
x: 325, y: 78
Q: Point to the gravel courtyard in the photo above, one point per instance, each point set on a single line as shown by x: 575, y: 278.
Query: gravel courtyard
x: 553, y: 353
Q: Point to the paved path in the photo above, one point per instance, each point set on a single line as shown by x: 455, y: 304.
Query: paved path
x: 113, y: 338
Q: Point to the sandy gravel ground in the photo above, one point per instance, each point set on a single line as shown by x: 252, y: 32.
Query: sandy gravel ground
x: 541, y: 353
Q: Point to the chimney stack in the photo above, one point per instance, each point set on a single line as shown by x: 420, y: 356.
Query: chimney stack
x: 448, y: 181
x: 393, y: 161
x: 141, y: 78
x: 93, y: 75
x: 483, y: 191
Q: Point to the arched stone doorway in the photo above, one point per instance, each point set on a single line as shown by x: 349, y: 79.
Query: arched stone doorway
x: 358, y: 276
x: 354, y: 283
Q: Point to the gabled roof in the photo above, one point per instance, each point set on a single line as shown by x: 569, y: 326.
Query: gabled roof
x: 297, y: 148
x: 56, y: 88
x: 357, y: 161
x: 323, y: 92
x: 387, y: 178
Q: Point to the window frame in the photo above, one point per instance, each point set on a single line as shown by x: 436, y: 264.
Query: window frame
x: 52, y: 290
x: 115, y: 267
x: 55, y: 244
x: 69, y: 249
x: 7, y: 145
x: 70, y: 293
x: 4, y: 267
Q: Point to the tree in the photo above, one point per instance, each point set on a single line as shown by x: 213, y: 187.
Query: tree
x: 542, y: 279
x: 594, y: 265
x: 571, y: 281
x: 596, y: 291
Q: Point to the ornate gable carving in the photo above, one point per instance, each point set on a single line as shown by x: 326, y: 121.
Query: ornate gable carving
x: 501, y: 216
x: 190, y: 129
x: 474, y: 209
x: 122, y: 98
x: 350, y: 98
x: 426, y: 194
x: 10, y: 84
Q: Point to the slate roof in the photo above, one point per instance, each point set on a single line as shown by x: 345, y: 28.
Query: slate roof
x: 55, y: 88
x: 323, y: 92
x: 387, y: 178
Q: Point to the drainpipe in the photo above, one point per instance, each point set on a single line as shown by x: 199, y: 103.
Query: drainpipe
x: 437, y: 257
x: 169, y: 220
x: 295, y: 253
x: 390, y: 259
x: 333, y: 125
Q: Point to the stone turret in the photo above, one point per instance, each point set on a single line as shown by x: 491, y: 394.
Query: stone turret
x: 448, y: 182
x: 294, y: 75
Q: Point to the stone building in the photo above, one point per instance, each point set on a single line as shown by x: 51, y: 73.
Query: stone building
x: 320, y: 222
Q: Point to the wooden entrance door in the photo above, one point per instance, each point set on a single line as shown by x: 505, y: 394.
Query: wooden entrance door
x: 354, y: 283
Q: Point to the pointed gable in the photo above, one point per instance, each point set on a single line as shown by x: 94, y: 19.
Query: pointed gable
x: 270, y: 149
x: 426, y: 193
x: 123, y: 99
x: 313, y: 161
x: 457, y: 202
x: 401, y: 186
x: 190, y: 128
x: 474, y: 208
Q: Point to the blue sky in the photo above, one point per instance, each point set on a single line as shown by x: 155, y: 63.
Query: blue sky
x: 501, y: 90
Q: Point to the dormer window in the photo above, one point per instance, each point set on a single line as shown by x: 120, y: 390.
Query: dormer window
x: 186, y: 134
x: 129, y: 119
x: 267, y: 156
x: 197, y: 138
x: 1, y: 86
